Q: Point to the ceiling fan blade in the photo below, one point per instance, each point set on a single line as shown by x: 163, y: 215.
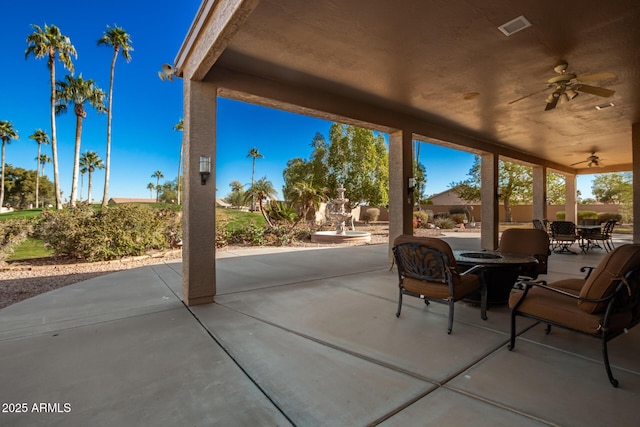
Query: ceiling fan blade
x: 526, y: 96
x: 599, y: 91
x: 577, y: 163
x: 597, y: 76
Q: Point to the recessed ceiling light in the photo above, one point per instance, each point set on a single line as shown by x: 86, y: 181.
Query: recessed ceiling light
x: 515, y: 25
x: 603, y: 106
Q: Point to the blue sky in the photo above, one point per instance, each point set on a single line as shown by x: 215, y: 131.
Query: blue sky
x: 145, y: 109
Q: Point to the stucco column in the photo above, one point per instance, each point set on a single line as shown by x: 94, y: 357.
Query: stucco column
x: 198, y: 209
x: 635, y: 155
x: 400, y: 200
x: 489, y: 196
x: 539, y: 192
x: 571, y: 206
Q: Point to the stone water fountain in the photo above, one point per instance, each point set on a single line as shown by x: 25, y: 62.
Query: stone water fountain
x: 340, y: 216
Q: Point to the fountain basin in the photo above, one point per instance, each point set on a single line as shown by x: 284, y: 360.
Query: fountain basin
x: 333, y: 237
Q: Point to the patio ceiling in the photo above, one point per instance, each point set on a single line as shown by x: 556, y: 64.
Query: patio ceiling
x: 424, y: 58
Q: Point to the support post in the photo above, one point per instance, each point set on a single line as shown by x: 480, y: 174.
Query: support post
x: 400, y: 199
x: 539, y: 192
x: 489, y: 195
x: 198, y: 209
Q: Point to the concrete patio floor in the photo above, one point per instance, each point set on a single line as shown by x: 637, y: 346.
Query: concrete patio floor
x: 299, y: 337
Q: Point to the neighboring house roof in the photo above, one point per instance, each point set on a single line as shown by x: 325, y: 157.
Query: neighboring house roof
x: 449, y: 197
x: 116, y: 200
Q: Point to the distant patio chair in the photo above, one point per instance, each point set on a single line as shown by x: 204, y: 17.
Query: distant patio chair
x: 606, y: 236
x: 605, y: 304
x: 428, y: 270
x: 527, y: 241
x: 563, y: 235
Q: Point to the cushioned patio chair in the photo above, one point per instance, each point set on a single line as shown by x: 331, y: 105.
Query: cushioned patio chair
x: 563, y: 235
x: 527, y: 241
x: 605, y: 304
x: 427, y: 269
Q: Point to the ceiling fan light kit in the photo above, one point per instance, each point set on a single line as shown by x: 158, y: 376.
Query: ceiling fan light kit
x: 567, y: 86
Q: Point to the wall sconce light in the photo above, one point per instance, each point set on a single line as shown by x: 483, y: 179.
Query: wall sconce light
x: 411, y: 184
x: 205, y: 169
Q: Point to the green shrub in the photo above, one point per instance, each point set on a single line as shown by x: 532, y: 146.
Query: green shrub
x: 12, y: 233
x: 458, y: 218
x: 560, y: 215
x: 444, y: 223
x: 420, y: 219
x: 606, y: 216
x: 587, y: 215
x: 111, y: 233
x: 441, y: 215
x: 281, y: 213
x: 371, y: 214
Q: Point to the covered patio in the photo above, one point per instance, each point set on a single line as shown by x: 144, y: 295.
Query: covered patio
x: 474, y: 77
x: 300, y: 337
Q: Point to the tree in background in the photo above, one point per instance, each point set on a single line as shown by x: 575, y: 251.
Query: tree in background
x: 420, y: 174
x: 118, y: 39
x: 151, y: 187
x: 237, y: 196
x: 179, y: 127
x: 7, y: 133
x: 89, y: 162
x: 261, y: 190
x: 358, y: 159
x: 314, y: 172
x: 515, y: 182
x: 168, y: 192
x: 78, y: 91
x: 43, y: 159
x: 556, y: 192
x: 254, y: 154
x: 20, y: 187
x: 50, y: 43
x: 157, y: 175
x: 40, y: 137
x: 307, y: 196
x: 615, y: 188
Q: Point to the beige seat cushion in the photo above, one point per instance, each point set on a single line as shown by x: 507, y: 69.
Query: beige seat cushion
x: 465, y: 285
x: 603, y: 280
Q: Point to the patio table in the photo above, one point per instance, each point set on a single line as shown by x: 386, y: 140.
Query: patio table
x: 584, y: 231
x: 500, y: 273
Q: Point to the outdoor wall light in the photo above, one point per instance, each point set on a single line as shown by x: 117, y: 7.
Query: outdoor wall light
x: 205, y: 169
x: 411, y: 184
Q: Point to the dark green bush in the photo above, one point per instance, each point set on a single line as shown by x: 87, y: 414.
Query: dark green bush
x: 441, y: 215
x: 111, y: 233
x: 444, y: 223
x: 587, y: 215
x: 458, y: 218
x: 606, y: 216
x: 370, y: 214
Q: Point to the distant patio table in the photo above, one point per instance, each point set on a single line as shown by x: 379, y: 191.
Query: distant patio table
x: 584, y: 231
x: 500, y: 273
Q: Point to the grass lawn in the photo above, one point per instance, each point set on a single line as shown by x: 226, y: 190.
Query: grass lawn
x: 238, y: 220
x: 30, y: 248
x: 24, y: 213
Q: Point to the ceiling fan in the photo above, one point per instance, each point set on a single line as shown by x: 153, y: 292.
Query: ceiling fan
x: 567, y: 86
x: 592, y: 160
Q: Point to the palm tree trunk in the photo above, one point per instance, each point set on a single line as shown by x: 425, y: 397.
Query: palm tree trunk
x: 38, y: 175
x: 54, y: 140
x: 107, y: 163
x: 2, y: 179
x: 76, y: 161
x: 89, y: 188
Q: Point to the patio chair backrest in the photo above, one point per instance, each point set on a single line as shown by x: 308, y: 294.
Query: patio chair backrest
x: 527, y: 241
x: 608, y: 227
x: 432, y: 242
x: 605, y: 278
x: 563, y: 228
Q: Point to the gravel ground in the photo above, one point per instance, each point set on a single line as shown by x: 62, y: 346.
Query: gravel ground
x: 25, y: 279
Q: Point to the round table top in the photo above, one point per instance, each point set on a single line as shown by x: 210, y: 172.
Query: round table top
x: 491, y: 258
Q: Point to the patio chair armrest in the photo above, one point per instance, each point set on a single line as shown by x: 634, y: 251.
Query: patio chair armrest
x: 542, y: 284
x: 588, y: 269
x: 473, y: 269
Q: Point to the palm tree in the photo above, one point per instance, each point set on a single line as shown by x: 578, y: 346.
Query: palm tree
x: 43, y: 159
x: 7, y: 133
x: 262, y: 189
x: 179, y: 127
x: 157, y: 175
x: 90, y: 161
x: 150, y: 187
x: 40, y: 137
x: 118, y: 39
x: 77, y: 91
x: 254, y: 154
x: 48, y: 43
x: 308, y: 197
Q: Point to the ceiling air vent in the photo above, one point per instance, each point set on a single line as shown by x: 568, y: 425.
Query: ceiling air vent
x: 515, y: 25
